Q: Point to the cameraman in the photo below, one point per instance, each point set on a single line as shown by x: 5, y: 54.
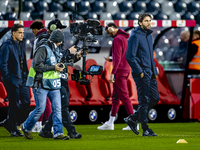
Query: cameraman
x: 46, y: 131
x: 45, y: 80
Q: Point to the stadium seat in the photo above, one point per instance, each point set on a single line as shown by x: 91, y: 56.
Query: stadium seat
x: 175, y: 16
x: 132, y: 90
x: 92, y: 15
x: 188, y: 16
x: 55, y: 7
x: 112, y: 7
x: 41, y: 6
x: 133, y: 16
x: 161, y: 16
x: 84, y: 7
x: 180, y: 7
x: 194, y: 8
x: 119, y: 16
x: 167, y: 8
x: 187, y: 1
x: 126, y: 7
x: 197, y: 17
x: 48, y: 16
x: 10, y: 16
x: 25, y: 16
x: 28, y: 6
x: 159, y: 1
x: 98, y: 7
x: 77, y: 93
x: 173, y: 1
x: 1, y: 17
x: 68, y: 6
x: 63, y: 16
x: 3, y: 6
x: 36, y: 15
x: 98, y: 89
x: 140, y: 7
x: 154, y: 7
x: 105, y: 16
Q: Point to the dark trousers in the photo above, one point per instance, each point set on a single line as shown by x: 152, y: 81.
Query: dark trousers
x: 65, y: 110
x: 148, y: 96
x: 19, y: 101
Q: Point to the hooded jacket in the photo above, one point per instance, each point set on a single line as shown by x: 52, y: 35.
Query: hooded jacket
x: 119, y: 48
x: 140, y: 52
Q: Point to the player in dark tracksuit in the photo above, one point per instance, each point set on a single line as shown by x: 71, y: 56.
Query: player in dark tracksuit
x: 140, y: 57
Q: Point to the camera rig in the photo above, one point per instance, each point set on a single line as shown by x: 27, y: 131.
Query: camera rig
x: 85, y: 31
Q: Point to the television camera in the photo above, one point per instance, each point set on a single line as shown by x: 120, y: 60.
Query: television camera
x: 85, y: 31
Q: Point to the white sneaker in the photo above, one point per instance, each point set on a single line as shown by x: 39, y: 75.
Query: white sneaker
x: 128, y: 128
x: 37, y: 129
x: 106, y: 126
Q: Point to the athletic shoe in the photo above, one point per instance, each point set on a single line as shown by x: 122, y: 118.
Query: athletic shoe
x: 75, y: 135
x: 61, y: 137
x: 149, y: 132
x: 132, y: 124
x: 27, y: 135
x: 37, y: 129
x: 45, y: 134
x: 106, y: 126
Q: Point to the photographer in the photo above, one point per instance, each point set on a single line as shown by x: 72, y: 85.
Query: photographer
x: 46, y: 131
x: 44, y: 77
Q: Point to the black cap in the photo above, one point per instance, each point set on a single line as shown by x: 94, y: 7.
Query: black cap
x: 55, y: 24
x: 57, y: 36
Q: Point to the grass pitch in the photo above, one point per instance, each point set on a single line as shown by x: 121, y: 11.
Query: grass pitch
x: 93, y: 139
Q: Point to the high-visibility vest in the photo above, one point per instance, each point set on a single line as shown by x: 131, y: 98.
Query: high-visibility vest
x: 51, y: 79
x: 195, y: 62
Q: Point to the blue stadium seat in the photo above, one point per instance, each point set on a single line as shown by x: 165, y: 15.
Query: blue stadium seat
x: 173, y: 1
x: 10, y: 16
x: 63, y: 16
x: 186, y: 1
x: 28, y: 6
x: 68, y: 6
x: 175, y: 16
x: 92, y: 15
x: 197, y: 17
x: 98, y: 7
x: 161, y: 16
x: 84, y: 7
x: 167, y: 8
x: 133, y: 16
x: 112, y: 7
x: 188, y: 16
x: 55, y: 7
x: 36, y: 15
x: 126, y: 7
x: 140, y: 7
x: 1, y: 17
x: 25, y: 16
x: 119, y: 16
x: 194, y: 7
x: 41, y: 6
x: 105, y: 16
x: 145, y: 1
x: 48, y: 16
x: 3, y: 6
x: 154, y: 7
x: 180, y: 7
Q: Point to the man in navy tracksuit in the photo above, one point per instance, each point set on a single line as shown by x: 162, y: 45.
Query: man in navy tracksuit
x: 140, y: 57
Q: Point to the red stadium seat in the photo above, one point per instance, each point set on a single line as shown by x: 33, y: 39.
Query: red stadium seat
x: 77, y: 94
x: 3, y: 95
x: 166, y: 95
x: 29, y: 63
x: 98, y: 89
x: 132, y: 90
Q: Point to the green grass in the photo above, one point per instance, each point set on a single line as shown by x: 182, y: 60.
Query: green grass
x: 93, y: 139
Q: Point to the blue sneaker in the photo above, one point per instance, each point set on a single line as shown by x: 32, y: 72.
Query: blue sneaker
x: 132, y: 124
x: 149, y: 132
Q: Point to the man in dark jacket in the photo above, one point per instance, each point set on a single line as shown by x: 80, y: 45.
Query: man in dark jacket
x: 140, y: 57
x: 14, y: 72
x: 119, y: 75
x: 46, y: 131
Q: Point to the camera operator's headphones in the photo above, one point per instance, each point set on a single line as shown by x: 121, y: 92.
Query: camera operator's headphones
x: 54, y: 26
